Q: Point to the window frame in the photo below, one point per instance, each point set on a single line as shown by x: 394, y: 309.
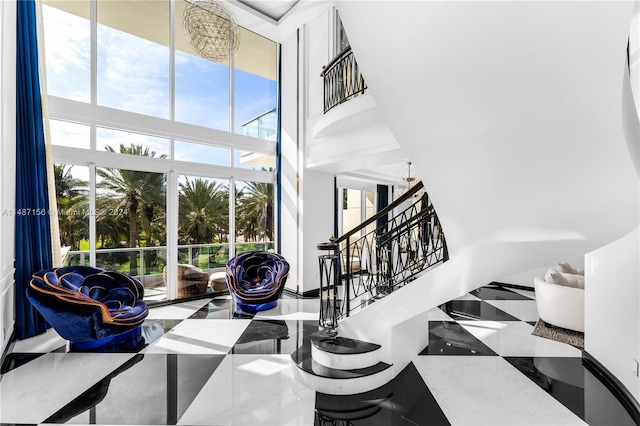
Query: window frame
x: 95, y: 116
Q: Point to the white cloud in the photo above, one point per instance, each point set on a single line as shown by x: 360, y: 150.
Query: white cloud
x: 200, y: 153
x: 73, y: 135
x: 68, y: 58
x: 133, y: 73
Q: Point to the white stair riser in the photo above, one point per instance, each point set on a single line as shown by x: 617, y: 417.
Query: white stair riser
x: 345, y: 361
x: 343, y: 386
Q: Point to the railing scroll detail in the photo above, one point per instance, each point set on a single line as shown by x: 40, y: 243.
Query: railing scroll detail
x: 369, y: 263
x: 342, y: 80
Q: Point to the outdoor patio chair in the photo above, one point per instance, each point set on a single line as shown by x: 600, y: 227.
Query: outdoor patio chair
x: 192, y: 281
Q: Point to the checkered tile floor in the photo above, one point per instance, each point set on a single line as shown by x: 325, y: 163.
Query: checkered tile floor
x: 204, y: 365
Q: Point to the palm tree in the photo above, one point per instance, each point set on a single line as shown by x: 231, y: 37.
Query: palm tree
x: 255, y: 211
x: 204, y: 210
x: 131, y: 189
x: 72, y: 202
x: 111, y: 229
x: 153, y: 203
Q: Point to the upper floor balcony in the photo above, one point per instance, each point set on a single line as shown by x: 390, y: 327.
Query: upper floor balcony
x: 263, y: 126
x: 342, y: 80
x: 350, y: 134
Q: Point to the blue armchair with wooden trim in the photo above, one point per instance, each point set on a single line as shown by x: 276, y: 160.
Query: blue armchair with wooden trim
x: 256, y: 280
x: 90, y: 307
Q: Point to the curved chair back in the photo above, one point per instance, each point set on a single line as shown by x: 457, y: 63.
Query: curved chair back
x: 256, y: 279
x: 91, y: 307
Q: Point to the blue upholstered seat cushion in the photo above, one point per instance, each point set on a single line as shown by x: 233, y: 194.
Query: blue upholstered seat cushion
x: 84, y: 303
x: 256, y: 279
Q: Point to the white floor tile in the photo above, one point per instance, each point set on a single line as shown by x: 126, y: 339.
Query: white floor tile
x: 200, y: 336
x: 487, y: 390
x: 467, y: 296
x: 525, y: 310
x: 252, y: 390
x: 42, y: 343
x: 177, y: 311
x: 514, y: 338
x: 33, y: 392
x: 437, y: 314
x: 528, y: 293
x: 292, y: 309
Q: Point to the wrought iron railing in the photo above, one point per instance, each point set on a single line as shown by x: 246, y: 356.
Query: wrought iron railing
x: 371, y: 263
x: 342, y: 80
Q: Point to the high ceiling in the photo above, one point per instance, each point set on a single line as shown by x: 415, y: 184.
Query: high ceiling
x: 150, y: 20
x: 273, y: 9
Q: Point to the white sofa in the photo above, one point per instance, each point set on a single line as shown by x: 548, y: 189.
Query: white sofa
x: 560, y: 297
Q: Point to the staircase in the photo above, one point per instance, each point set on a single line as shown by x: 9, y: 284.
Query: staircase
x: 340, y: 366
x: 360, y: 269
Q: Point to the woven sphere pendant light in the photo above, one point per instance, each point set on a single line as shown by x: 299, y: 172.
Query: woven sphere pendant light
x: 211, y: 29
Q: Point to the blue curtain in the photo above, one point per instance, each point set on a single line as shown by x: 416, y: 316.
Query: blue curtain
x: 33, y: 232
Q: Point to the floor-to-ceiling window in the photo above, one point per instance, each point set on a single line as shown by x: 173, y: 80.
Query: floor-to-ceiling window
x: 163, y: 158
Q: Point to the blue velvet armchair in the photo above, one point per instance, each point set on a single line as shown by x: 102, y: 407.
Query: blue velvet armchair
x: 256, y: 280
x: 91, y: 307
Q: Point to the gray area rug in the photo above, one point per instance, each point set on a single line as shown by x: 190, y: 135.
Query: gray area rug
x: 573, y: 338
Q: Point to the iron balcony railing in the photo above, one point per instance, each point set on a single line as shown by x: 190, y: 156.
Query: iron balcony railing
x: 374, y: 263
x: 342, y: 79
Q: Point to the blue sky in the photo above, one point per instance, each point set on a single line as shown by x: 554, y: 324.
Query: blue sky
x: 133, y: 75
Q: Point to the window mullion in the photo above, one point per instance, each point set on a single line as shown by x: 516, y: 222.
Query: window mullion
x: 172, y: 235
x: 92, y: 215
x: 232, y: 217
x: 231, y: 94
x: 93, y: 24
x: 172, y: 61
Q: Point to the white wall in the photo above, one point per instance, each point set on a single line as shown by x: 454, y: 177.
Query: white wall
x: 317, y: 54
x: 289, y: 233
x: 631, y: 92
x: 612, y: 318
x: 307, y: 195
x: 524, y: 148
x: 7, y: 166
x: 512, y: 115
x: 316, y: 222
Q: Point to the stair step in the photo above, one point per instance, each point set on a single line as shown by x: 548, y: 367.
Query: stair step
x: 337, y: 381
x: 344, y: 353
x: 342, y: 345
x: 348, y: 408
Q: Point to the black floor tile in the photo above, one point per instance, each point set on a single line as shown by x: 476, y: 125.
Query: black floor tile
x: 568, y: 381
x: 149, y: 389
x: 273, y: 336
x: 495, y: 292
x: 150, y: 331
x: 450, y: 338
x: 475, y: 310
x: 18, y: 424
x: 153, y: 329
x: 220, y: 309
x: 406, y: 400
x: 16, y: 359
